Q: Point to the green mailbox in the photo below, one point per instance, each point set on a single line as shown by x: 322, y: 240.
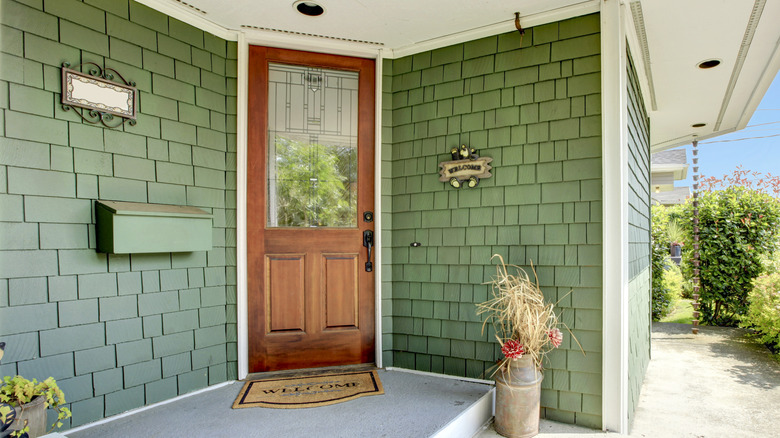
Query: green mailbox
x: 132, y: 227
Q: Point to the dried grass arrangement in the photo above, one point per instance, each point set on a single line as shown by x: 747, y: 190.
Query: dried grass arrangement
x: 524, y: 323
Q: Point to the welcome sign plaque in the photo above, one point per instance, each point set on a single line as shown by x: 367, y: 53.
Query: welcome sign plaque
x: 467, y: 171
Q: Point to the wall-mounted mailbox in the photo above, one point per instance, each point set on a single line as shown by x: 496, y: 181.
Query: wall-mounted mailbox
x: 132, y: 227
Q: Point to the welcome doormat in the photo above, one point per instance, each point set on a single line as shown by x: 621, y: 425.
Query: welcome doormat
x: 308, y: 392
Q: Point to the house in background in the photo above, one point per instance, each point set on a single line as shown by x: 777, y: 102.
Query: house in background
x: 666, y: 167
x: 379, y: 92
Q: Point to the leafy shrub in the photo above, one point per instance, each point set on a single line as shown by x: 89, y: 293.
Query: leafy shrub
x: 662, y: 298
x: 674, y: 281
x: 736, y: 227
x: 763, y: 312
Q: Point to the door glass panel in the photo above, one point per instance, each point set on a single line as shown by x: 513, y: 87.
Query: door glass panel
x: 312, y: 147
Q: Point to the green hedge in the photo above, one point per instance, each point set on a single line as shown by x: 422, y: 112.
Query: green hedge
x: 737, y: 226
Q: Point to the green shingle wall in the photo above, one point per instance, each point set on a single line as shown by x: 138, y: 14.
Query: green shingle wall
x: 639, y: 320
x: 118, y: 332
x: 387, y: 210
x: 535, y: 110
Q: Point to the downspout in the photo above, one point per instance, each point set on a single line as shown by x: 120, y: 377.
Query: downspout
x: 696, y: 279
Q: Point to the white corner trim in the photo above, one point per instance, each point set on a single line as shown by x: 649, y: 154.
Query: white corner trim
x: 470, y: 421
x: 146, y: 408
x: 378, y: 352
x: 583, y: 8
x: 242, y: 321
x: 615, y: 218
x: 171, y: 9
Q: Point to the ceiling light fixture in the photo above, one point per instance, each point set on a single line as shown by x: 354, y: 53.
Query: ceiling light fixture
x: 308, y: 8
x: 710, y: 63
x: 698, y: 125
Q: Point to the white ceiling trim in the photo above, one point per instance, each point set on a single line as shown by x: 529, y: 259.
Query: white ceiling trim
x: 641, y: 53
x: 289, y: 32
x: 316, y: 43
x: 767, y: 76
x: 185, y: 14
x: 687, y: 139
x: 750, y: 30
x: 583, y: 8
x: 310, y: 43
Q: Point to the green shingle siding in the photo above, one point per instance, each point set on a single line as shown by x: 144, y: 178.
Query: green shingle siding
x: 542, y: 205
x: 110, y: 326
x: 639, y: 239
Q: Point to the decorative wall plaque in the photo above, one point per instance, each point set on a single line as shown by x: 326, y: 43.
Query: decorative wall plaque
x: 465, y: 169
x: 96, y: 98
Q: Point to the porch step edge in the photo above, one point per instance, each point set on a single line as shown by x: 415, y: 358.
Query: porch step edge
x: 442, y: 376
x: 471, y: 421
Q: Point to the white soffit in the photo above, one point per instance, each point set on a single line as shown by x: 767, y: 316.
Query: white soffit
x: 393, y: 24
x: 398, y: 26
x: 680, y: 171
x: 681, y: 34
x: 674, y: 36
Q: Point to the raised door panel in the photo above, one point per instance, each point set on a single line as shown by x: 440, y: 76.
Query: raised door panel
x: 286, y: 288
x: 340, y: 290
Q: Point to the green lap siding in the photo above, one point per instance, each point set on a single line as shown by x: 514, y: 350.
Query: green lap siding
x: 120, y: 331
x: 639, y: 320
x: 536, y: 111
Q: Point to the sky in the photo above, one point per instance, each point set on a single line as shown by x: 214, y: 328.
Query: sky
x: 718, y: 157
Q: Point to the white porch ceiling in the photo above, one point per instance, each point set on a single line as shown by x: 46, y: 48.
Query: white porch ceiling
x: 394, y: 24
x: 673, y: 37
x: 681, y: 34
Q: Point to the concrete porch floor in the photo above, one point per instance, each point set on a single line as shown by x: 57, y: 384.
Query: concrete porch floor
x: 414, y: 405
x: 720, y: 383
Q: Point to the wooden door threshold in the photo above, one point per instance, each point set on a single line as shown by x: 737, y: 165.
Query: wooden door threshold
x: 307, y: 372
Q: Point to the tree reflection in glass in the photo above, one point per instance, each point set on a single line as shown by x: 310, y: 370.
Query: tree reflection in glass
x: 312, y: 184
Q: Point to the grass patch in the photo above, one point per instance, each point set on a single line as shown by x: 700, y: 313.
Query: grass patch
x: 681, y: 313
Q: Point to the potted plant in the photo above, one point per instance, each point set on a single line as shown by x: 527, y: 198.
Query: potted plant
x: 30, y: 399
x: 676, y: 234
x: 527, y: 328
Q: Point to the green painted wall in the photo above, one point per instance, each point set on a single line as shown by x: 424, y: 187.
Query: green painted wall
x: 536, y: 111
x: 117, y: 332
x: 638, y: 239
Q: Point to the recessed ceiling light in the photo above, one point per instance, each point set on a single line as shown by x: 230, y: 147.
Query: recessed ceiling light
x: 698, y: 125
x: 308, y: 8
x: 710, y: 63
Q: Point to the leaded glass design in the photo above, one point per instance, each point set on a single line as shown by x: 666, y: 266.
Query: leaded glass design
x: 312, y: 147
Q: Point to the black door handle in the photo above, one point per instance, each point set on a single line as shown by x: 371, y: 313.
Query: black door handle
x: 368, y: 242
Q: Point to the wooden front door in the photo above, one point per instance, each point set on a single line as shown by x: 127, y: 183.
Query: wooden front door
x: 310, y: 200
